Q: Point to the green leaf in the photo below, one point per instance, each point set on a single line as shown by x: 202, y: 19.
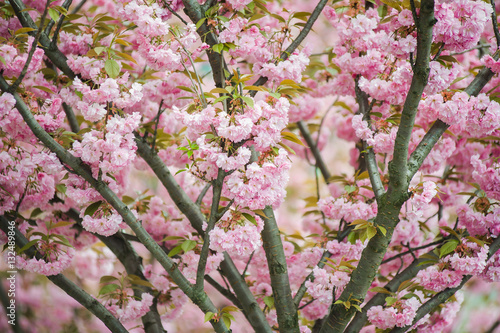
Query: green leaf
x: 248, y: 101
x: 380, y: 290
x: 226, y: 321
x: 448, y: 247
x: 350, y: 188
x: 382, y: 230
x: 250, y: 218
x: 208, y: 316
x: 292, y: 137
x: 390, y: 300
x: 92, y: 208
x: 188, y: 245
x: 28, y: 245
x: 175, y: 250
x: 229, y: 308
x: 198, y: 25
x: 54, y: 15
x: 107, y: 279
x: 109, y: 288
x: 112, y: 68
x: 37, y: 211
x: 269, y: 301
x: 61, y: 188
x: 47, y: 90
x: 126, y: 56
x: 23, y: 30
x: 371, y: 231
x: 61, y: 224
x: 218, y: 48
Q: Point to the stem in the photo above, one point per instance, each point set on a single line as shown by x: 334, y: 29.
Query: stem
x: 494, y: 21
x: 370, y: 159
x: 202, y: 264
x: 73, y: 122
x: 276, y: 261
x: 302, y: 289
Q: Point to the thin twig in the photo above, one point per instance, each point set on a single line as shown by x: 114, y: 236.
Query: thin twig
x: 157, y: 121
x: 78, y: 7
x: 320, y: 163
x: 495, y: 23
x: 174, y: 12
x: 291, y: 48
x: 65, y: 5
x: 225, y: 292
x: 202, y: 194
x: 21, y: 76
x: 248, y: 264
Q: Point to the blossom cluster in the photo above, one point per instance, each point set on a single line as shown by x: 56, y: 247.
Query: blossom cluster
x: 260, y: 182
x: 237, y: 237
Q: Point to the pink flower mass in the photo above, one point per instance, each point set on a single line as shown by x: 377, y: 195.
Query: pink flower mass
x: 250, y: 166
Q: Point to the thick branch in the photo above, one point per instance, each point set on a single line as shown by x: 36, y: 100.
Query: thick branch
x: 80, y: 295
x: 217, y: 63
x: 21, y: 76
x: 276, y: 261
x: 398, y: 166
x: 252, y: 310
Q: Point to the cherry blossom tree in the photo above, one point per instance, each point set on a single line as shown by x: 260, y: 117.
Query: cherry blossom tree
x: 249, y: 166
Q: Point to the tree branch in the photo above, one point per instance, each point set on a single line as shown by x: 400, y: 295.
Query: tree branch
x: 379, y: 299
x: 192, y: 211
x: 73, y: 122
x: 390, y: 203
x: 398, y: 166
x: 276, y: 261
x: 370, y: 159
x: 494, y: 21
x: 302, y: 289
x: 214, y: 216
x: 80, y: 295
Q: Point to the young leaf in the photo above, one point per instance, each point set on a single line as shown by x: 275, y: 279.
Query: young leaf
x: 112, y: 68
